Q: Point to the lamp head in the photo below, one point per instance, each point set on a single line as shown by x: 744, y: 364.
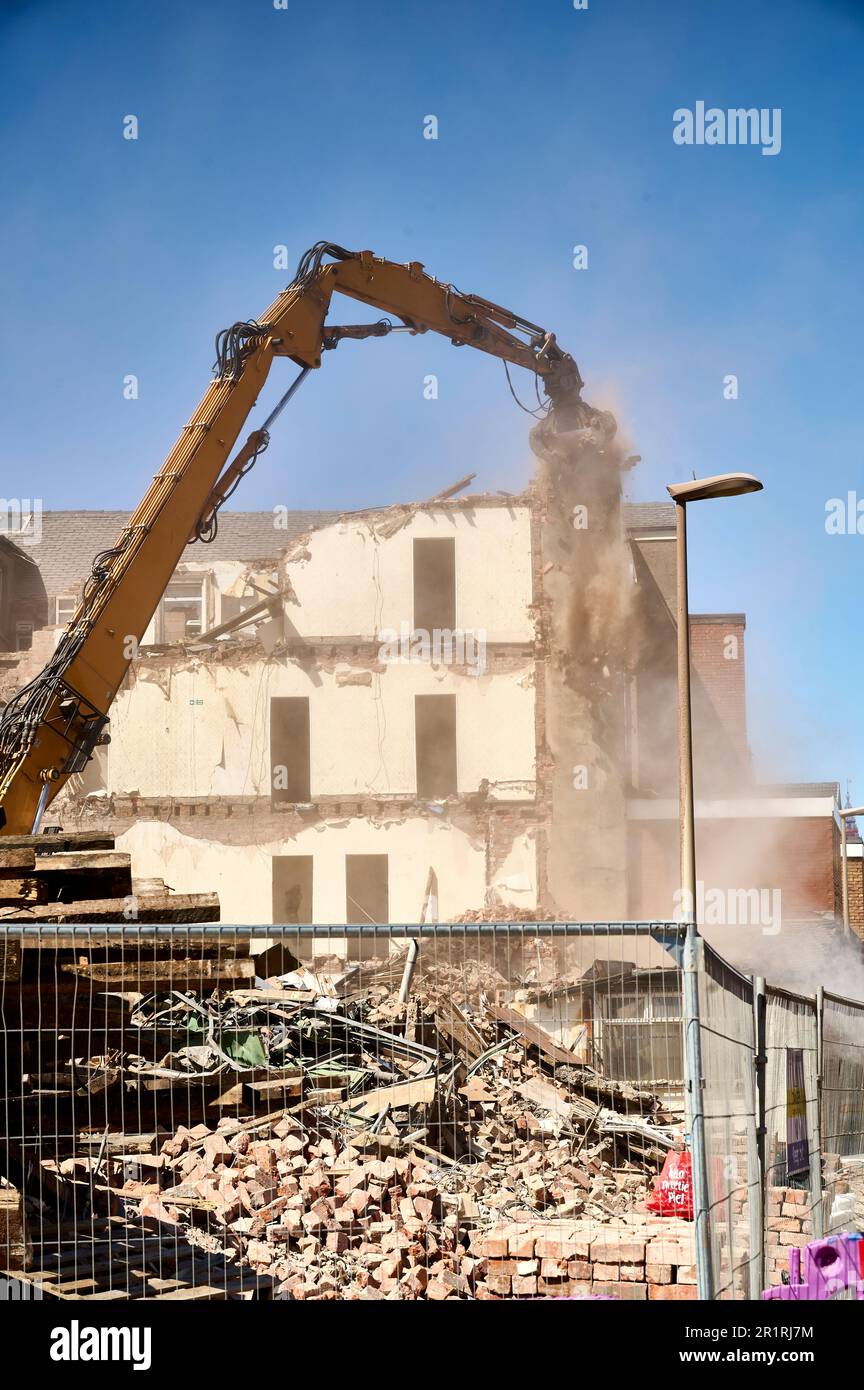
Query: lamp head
x: 721, y: 485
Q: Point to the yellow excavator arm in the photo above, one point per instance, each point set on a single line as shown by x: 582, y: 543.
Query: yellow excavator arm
x: 49, y: 729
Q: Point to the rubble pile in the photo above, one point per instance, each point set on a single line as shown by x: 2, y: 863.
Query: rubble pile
x: 412, y: 1130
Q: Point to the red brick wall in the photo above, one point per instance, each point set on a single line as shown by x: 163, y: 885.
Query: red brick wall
x: 796, y: 855
x: 856, y: 896
x: 717, y: 656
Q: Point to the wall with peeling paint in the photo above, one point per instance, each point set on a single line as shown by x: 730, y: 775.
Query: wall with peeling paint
x: 204, y: 730
x: 356, y: 577
x: 242, y: 874
x: 195, y: 726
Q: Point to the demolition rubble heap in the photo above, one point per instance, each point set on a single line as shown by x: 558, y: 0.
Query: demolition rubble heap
x: 443, y: 1147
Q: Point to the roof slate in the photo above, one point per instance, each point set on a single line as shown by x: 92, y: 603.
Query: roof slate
x: 71, y: 540
x: 653, y: 516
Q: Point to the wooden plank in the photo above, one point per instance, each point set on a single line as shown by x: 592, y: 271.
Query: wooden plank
x: 120, y: 1143
x: 128, y: 974
x: 397, y: 1097
x: 158, y: 1285
x: 170, y: 907
x: 450, y: 1020
x: 69, y: 1286
x: 288, y: 1081
x: 14, y: 891
x: 59, y: 844
x: 197, y: 1292
x: 14, y: 861
x: 89, y: 861
x: 534, y: 1036
x: 196, y: 937
x: 84, y: 875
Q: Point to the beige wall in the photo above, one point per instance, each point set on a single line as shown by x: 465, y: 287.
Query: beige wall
x: 198, y: 725
x: 357, y: 583
x: 242, y: 874
x: 165, y: 743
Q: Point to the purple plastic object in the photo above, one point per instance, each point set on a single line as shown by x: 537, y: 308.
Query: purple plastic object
x: 831, y: 1267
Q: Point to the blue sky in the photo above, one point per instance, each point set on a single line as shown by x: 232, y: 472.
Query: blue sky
x: 261, y: 127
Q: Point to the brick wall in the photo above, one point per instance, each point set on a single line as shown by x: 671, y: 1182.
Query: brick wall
x: 856, y: 895
x: 659, y: 558
x: 796, y: 855
x: 717, y: 657
x: 649, y: 1257
x: 787, y: 1223
x: 643, y: 1258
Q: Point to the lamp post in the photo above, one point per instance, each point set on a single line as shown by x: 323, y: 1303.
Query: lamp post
x: 697, y: 490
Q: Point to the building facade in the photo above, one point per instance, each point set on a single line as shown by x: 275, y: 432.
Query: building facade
x: 418, y: 717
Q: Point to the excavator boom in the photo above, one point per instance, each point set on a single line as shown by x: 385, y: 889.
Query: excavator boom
x: 49, y: 729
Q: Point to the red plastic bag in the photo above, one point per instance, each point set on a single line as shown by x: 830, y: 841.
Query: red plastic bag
x: 673, y: 1190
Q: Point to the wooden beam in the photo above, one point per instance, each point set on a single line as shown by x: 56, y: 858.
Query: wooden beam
x: 534, y: 1036
x: 57, y: 844
x: 129, y: 973
x: 155, y: 907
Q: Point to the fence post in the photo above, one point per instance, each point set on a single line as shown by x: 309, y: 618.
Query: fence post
x: 695, y: 1112
x: 814, y: 1138
x: 758, y: 1198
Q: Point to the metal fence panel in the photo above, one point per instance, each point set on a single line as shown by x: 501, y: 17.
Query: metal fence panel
x: 729, y: 1107
x: 355, y: 1112
x: 793, y: 1171
x: 842, y: 1103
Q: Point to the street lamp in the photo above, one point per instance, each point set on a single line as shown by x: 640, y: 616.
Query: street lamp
x: 697, y: 490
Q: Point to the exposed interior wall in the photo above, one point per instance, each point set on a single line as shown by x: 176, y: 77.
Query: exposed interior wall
x: 355, y: 578
x: 201, y: 728
x: 187, y: 781
x: 221, y: 580
x: 242, y: 874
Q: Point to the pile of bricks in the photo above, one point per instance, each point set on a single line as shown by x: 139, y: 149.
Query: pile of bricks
x: 646, y: 1258
x: 787, y: 1223
x: 326, y: 1220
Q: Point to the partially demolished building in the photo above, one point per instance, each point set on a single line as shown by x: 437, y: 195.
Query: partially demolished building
x: 403, y: 713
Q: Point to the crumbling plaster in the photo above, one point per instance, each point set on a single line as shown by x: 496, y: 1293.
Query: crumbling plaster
x: 356, y: 576
x: 242, y: 877
x: 204, y: 730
